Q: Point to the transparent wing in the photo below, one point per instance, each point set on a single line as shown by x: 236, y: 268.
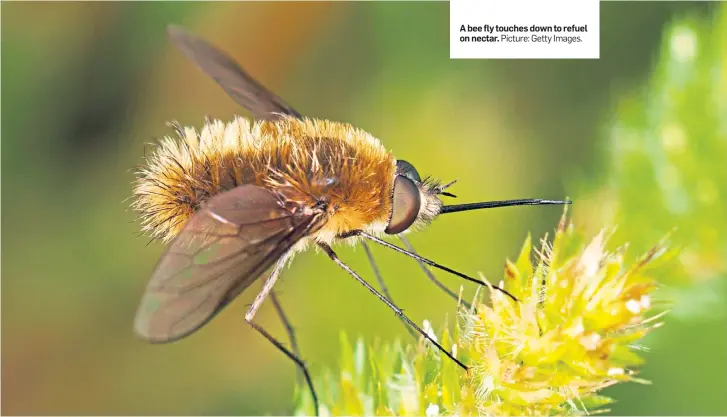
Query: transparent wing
x: 238, y: 84
x: 221, y: 250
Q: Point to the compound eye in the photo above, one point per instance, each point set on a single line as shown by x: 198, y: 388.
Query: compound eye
x: 405, y: 205
x: 408, y: 170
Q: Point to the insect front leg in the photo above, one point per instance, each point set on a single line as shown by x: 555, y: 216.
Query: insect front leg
x: 431, y: 276
x: 422, y: 265
x: 384, y: 289
x: 426, y: 261
x: 267, y: 289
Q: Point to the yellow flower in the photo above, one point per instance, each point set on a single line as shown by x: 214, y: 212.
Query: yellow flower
x: 574, y: 331
x: 571, y: 334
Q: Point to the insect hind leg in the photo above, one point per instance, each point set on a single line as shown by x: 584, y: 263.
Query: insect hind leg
x: 250, y: 315
x: 288, y: 327
x: 292, y: 356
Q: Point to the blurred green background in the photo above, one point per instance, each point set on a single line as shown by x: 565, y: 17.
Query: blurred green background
x: 86, y: 85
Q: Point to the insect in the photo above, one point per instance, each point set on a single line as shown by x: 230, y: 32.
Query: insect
x: 240, y: 198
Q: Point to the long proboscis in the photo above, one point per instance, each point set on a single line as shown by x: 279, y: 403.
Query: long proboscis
x: 503, y: 203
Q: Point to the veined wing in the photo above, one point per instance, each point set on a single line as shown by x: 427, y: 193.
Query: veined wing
x: 222, y: 249
x: 237, y: 83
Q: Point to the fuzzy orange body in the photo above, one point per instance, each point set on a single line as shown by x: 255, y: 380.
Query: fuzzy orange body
x: 310, y: 159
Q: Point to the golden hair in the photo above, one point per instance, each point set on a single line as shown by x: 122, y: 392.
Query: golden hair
x: 312, y: 159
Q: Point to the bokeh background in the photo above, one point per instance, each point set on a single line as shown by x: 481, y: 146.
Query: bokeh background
x: 86, y: 85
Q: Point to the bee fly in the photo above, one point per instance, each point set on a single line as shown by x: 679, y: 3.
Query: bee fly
x: 236, y: 199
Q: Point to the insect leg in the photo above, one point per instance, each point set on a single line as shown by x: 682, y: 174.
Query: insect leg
x: 267, y: 289
x: 288, y: 327
x: 331, y: 254
x: 379, y: 278
x: 292, y: 356
x: 425, y: 260
x: 431, y: 276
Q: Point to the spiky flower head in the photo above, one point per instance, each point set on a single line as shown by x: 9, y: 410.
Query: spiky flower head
x: 575, y: 330
x: 573, y: 333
